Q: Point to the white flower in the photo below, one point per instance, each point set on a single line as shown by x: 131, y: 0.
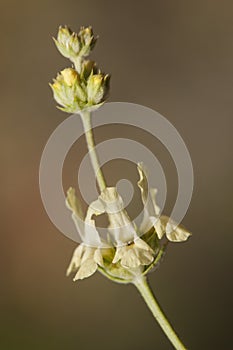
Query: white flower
x: 134, y: 255
x: 131, y: 250
x: 88, y: 255
x: 162, y: 224
x: 85, y: 261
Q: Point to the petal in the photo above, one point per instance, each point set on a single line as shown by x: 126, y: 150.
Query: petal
x: 130, y: 259
x: 87, y: 269
x: 152, y: 217
x: 142, y: 183
x: 92, y: 237
x: 98, y: 258
x: 112, y: 200
x: 174, y: 232
x: 88, y: 260
x: 147, y: 223
x: 153, y: 193
x: 95, y: 208
x: 151, y: 209
x: 145, y: 257
x: 139, y: 243
x: 86, y: 228
x: 88, y: 253
x: 159, y: 228
x: 74, y: 205
x: 121, y: 228
x: 148, y: 195
x: 119, y: 254
x: 144, y: 252
x: 134, y: 255
x: 76, y: 259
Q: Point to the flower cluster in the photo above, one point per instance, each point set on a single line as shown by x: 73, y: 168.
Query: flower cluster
x: 73, y: 45
x: 83, y: 87
x: 130, y: 250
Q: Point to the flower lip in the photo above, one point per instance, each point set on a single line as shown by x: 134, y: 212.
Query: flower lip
x: 162, y: 224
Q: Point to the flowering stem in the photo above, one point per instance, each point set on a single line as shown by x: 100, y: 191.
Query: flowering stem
x: 86, y: 119
x: 145, y: 291
x: 140, y: 282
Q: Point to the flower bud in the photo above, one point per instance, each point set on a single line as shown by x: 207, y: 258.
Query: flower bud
x: 63, y: 35
x: 97, y: 88
x: 68, y: 92
x: 74, y: 46
x: 67, y: 43
x: 87, y: 40
x: 88, y: 68
x: 69, y: 76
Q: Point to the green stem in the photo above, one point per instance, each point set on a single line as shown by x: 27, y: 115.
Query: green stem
x: 77, y: 64
x: 145, y: 291
x: 86, y: 119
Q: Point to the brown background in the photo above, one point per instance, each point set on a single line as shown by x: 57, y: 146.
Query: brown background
x: 175, y: 57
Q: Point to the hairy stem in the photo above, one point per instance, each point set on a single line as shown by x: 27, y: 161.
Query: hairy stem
x: 77, y: 64
x: 86, y: 119
x: 145, y: 291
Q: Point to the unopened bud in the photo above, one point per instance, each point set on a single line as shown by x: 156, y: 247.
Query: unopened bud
x: 70, y: 76
x: 97, y: 88
x: 75, y: 46
x: 67, y: 43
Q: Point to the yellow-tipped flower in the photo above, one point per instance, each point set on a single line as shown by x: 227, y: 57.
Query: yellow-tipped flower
x: 70, y: 76
x: 67, y: 90
x: 87, y: 40
x: 97, y: 88
x: 67, y: 43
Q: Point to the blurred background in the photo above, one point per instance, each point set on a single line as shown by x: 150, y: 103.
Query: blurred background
x: 172, y: 56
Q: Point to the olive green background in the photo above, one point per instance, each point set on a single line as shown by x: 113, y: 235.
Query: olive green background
x: 175, y: 57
